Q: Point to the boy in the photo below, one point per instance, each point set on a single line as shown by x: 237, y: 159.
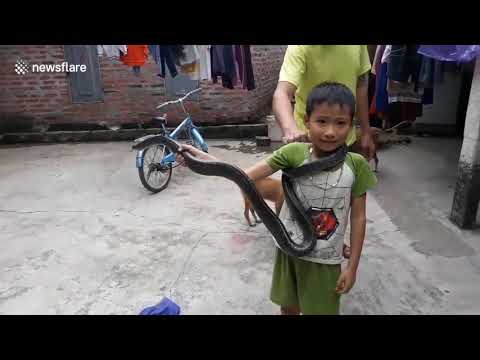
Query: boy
x: 313, y: 284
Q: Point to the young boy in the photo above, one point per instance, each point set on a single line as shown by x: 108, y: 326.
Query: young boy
x: 313, y: 284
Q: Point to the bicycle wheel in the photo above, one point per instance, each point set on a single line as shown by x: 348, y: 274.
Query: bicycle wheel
x: 155, y: 177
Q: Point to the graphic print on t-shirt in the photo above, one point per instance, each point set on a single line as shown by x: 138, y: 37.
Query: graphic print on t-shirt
x: 324, y: 221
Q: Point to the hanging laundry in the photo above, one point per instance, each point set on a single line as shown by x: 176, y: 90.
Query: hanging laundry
x: 249, y: 82
x: 190, y: 55
x: 377, y: 58
x: 403, y: 70
x: 386, y: 53
x: 406, y: 76
x: 154, y: 51
x: 229, y: 79
x: 223, y: 65
x: 458, y: 53
x: 382, y: 93
x: 218, y: 65
x: 163, y: 55
x: 403, y: 92
x: 426, y: 78
x: 136, y: 56
x: 233, y: 65
x: 404, y: 63
x: 111, y: 51
x: 190, y: 64
x: 239, y: 63
x: 377, y: 61
x: 427, y: 72
x: 191, y: 70
x: 177, y: 52
x: 399, y: 84
x: 205, y: 65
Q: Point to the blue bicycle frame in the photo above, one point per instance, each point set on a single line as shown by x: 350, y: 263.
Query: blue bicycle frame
x: 190, y: 129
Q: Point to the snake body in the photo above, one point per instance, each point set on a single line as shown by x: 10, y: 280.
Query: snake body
x: 269, y: 218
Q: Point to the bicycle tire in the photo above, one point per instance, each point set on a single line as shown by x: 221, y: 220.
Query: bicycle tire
x: 146, y: 185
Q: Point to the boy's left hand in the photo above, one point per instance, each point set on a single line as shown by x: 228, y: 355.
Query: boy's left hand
x: 346, y: 281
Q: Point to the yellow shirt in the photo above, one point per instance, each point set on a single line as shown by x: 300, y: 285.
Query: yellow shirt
x: 306, y: 66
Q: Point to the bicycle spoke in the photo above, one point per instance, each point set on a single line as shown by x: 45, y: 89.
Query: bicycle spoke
x: 148, y: 158
x: 160, y: 177
x: 148, y: 174
x: 156, y: 149
x: 163, y: 153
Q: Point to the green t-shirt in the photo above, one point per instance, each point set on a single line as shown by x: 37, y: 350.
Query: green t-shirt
x: 306, y: 66
x: 328, y: 193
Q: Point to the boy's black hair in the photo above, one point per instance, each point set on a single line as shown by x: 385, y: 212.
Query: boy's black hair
x: 332, y: 93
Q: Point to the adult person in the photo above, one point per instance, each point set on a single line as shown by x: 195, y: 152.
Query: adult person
x: 306, y: 66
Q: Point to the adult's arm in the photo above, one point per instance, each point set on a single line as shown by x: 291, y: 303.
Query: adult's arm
x: 367, y: 144
x: 290, y: 77
x: 283, y: 110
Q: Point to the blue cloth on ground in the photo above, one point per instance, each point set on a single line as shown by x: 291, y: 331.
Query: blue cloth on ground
x: 164, y: 307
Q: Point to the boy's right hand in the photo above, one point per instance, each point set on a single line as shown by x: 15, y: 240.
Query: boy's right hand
x: 194, y: 152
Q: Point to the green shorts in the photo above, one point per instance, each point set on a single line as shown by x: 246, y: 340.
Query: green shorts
x: 306, y: 284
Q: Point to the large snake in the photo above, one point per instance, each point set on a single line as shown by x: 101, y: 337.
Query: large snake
x: 269, y: 218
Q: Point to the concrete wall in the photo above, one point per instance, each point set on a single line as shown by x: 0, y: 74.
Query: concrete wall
x: 443, y: 111
x: 38, y: 100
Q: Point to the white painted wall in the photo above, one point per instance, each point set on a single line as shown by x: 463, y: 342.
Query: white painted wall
x: 443, y: 111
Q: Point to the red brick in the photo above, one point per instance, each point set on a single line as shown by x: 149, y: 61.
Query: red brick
x: 130, y: 104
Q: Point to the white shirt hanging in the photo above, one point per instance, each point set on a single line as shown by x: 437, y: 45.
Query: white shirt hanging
x: 386, y: 53
x: 205, y: 63
x: 111, y: 50
x: 191, y: 55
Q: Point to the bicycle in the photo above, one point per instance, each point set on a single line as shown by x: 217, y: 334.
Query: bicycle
x: 160, y: 168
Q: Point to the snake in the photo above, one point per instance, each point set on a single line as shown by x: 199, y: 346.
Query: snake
x: 271, y: 221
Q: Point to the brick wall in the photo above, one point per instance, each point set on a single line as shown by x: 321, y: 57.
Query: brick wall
x: 37, y: 100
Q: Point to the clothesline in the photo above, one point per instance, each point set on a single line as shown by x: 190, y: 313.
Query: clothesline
x: 233, y: 63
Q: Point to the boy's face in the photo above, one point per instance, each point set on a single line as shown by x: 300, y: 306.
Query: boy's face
x: 328, y: 126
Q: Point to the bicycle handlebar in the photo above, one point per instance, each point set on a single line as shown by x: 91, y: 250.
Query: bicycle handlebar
x: 179, y: 100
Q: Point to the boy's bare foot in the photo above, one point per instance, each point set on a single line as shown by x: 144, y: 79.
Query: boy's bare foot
x: 346, y: 251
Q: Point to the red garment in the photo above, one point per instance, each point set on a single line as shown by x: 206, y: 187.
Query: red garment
x: 373, y: 105
x: 136, y: 55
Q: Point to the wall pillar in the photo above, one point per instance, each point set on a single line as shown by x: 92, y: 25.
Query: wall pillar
x: 467, y: 190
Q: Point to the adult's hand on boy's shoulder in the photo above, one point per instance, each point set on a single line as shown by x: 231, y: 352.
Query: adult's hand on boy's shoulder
x: 346, y: 281
x: 294, y: 135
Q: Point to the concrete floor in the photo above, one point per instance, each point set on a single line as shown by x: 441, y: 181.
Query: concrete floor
x: 80, y: 235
